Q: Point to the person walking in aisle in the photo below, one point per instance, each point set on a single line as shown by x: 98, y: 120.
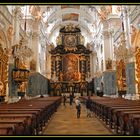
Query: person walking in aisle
x: 64, y: 100
x: 71, y: 98
x: 78, y: 107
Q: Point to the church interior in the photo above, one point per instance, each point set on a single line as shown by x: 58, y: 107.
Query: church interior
x: 48, y: 52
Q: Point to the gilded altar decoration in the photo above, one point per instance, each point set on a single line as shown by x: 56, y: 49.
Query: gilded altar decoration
x: 70, y: 68
x: 22, y: 87
x: 70, y: 59
x: 51, y: 46
x: 82, y: 39
x: 3, y: 71
x: 121, y: 76
x: 1, y: 88
x: 59, y: 40
x: 122, y: 54
x: 70, y: 42
x: 137, y: 56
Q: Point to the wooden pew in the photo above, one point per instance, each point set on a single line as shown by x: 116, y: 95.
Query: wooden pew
x: 134, y: 124
x: 107, y: 108
x: 8, y: 129
x: 30, y: 128
x: 125, y: 118
x: 40, y: 108
x: 20, y: 126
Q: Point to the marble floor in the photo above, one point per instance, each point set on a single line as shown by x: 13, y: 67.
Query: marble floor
x: 65, y: 122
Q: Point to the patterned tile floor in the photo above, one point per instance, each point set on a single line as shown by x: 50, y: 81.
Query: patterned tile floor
x: 65, y: 122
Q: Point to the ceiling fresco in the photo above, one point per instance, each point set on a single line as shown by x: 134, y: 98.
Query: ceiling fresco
x: 71, y: 16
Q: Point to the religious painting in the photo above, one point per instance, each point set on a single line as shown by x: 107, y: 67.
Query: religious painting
x: 71, y: 16
x: 70, y: 6
x: 70, y: 68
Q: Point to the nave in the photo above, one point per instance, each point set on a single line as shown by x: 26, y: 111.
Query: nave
x: 45, y: 116
x: 84, y: 50
x: 65, y: 122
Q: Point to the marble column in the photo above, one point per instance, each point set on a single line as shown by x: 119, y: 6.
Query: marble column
x: 107, y: 47
x: 16, y: 24
x: 35, y: 48
x: 92, y: 65
x: 35, y: 43
x: 126, y: 22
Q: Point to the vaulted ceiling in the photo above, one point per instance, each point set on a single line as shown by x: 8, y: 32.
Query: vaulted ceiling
x: 59, y: 15
x: 55, y: 16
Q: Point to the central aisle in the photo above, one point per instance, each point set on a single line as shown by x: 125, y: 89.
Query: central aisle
x: 65, y: 122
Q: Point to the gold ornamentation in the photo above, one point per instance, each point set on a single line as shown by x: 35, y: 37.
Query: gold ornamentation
x: 82, y: 40
x: 51, y: 46
x: 70, y: 27
x: 70, y: 40
x: 121, y: 76
x: 22, y: 87
x: 137, y: 56
x: 58, y: 40
x: 3, y: 71
x: 1, y: 88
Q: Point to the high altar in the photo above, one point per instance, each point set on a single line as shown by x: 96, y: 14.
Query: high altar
x: 70, y: 62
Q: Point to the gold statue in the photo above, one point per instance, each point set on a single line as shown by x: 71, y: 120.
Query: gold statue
x: 82, y: 40
x: 58, y: 40
x: 52, y: 46
x: 61, y: 76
